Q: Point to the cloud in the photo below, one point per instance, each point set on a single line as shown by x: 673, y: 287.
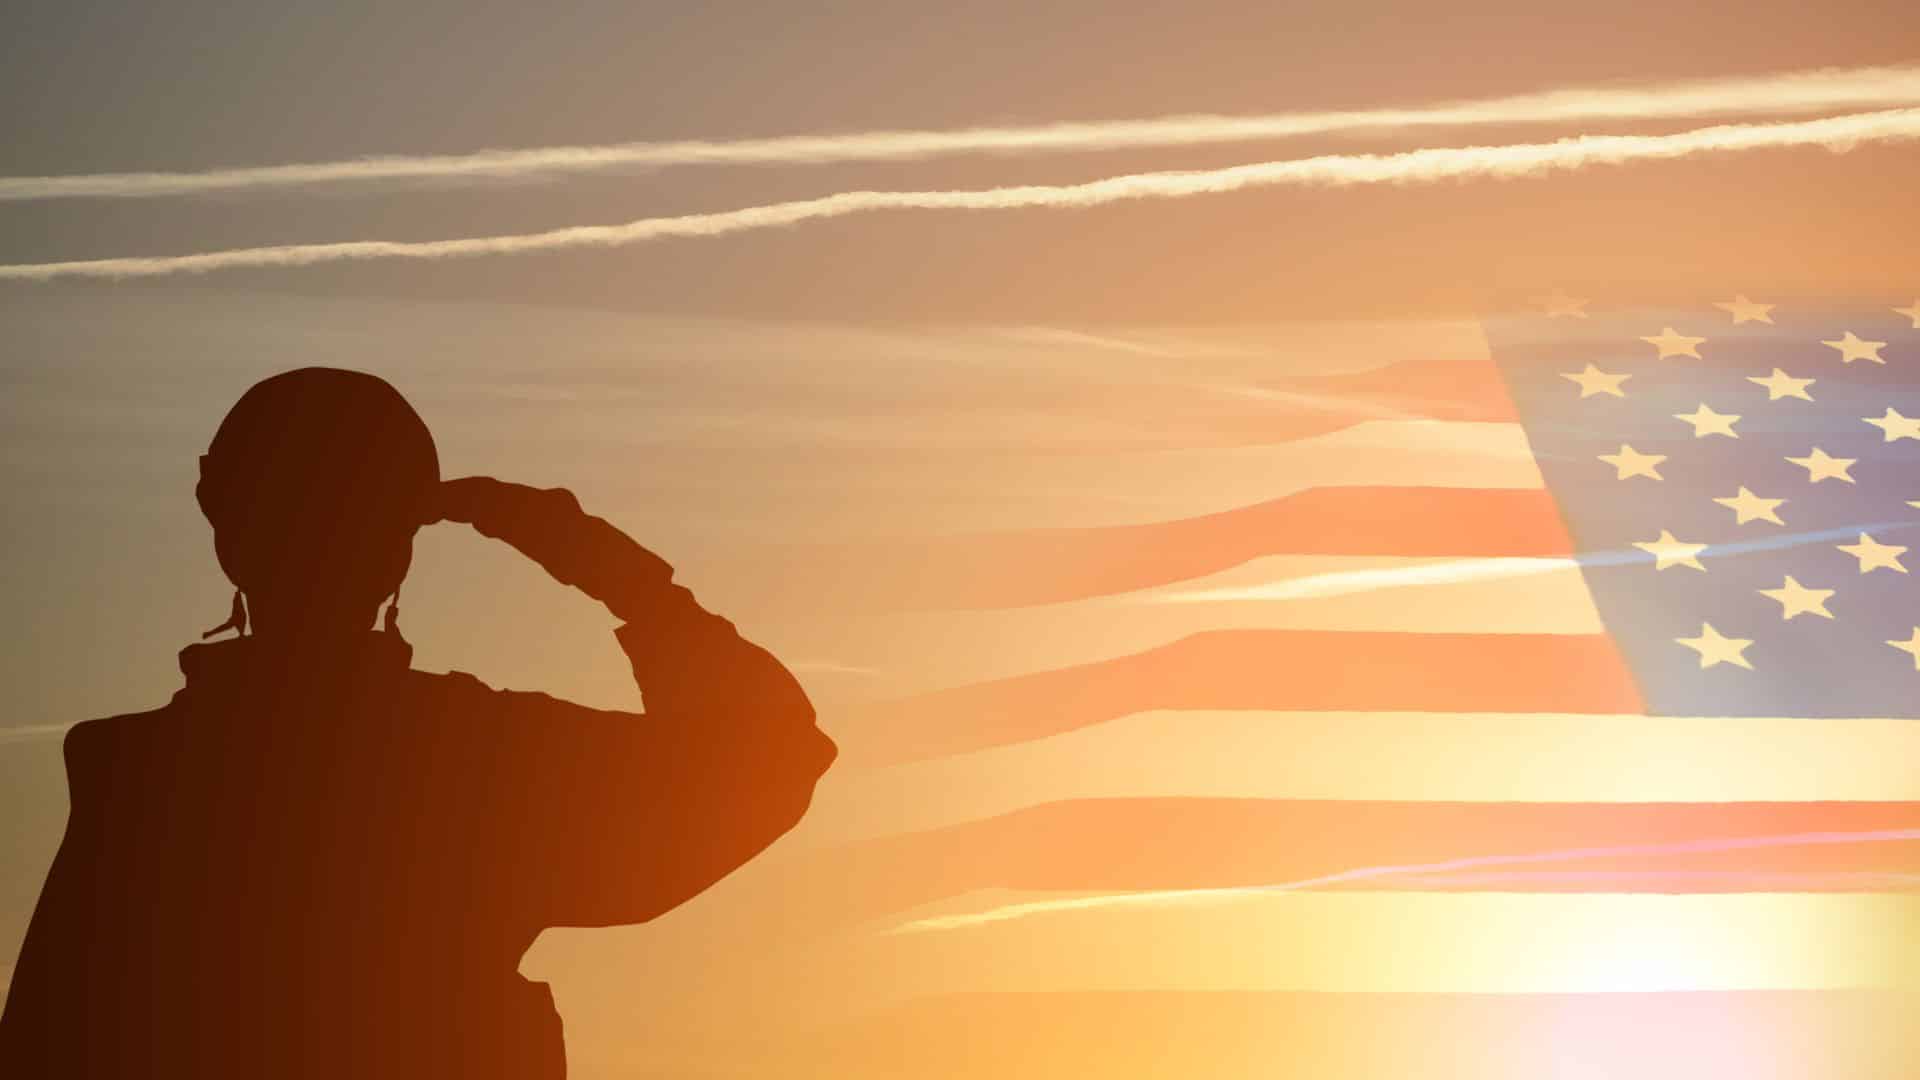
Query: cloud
x: 29, y: 732
x: 1838, y: 133
x: 1789, y: 94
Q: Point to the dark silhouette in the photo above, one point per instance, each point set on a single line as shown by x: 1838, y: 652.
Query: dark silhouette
x: 317, y: 862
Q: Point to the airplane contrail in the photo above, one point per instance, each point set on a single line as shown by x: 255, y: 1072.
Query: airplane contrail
x: 1789, y: 94
x: 1838, y: 133
x: 32, y: 731
x: 1367, y: 873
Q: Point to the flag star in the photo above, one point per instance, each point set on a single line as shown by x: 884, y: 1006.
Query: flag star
x: 1594, y: 381
x: 1671, y: 551
x: 1562, y: 306
x: 1852, y: 348
x: 1715, y: 648
x: 1780, y: 384
x: 1896, y: 426
x: 1750, y: 507
x: 1630, y: 462
x: 1745, y: 310
x: 1911, y: 646
x: 1820, y: 466
x: 1707, y: 422
x: 1672, y: 342
x: 1797, y: 599
x: 1911, y: 313
x: 1873, y: 555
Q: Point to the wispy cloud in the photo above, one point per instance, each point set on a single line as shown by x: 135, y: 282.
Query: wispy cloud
x: 1161, y: 897
x: 1788, y: 94
x: 828, y: 667
x: 1334, y: 170
x: 1045, y: 335
x: 32, y: 732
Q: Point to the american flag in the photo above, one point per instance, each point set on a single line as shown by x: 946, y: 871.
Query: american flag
x: 1226, y: 702
x: 1575, y: 609
x: 1742, y: 561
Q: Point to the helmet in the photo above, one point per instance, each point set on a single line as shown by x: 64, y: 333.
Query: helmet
x: 318, y: 443
x: 314, y: 485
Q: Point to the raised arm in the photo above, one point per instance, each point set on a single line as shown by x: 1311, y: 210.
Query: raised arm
x: 723, y: 762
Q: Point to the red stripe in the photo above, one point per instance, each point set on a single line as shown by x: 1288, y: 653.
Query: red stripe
x: 1257, y: 669
x: 1125, y: 845
x: 1015, y: 569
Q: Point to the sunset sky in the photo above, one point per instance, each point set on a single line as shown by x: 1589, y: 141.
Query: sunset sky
x: 815, y: 422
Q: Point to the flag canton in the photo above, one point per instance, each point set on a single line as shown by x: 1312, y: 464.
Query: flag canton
x: 1742, y: 495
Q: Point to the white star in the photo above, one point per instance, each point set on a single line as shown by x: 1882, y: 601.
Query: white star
x: 1797, y: 599
x: 1910, y: 646
x: 1874, y: 555
x: 1668, y: 550
x: 1781, y: 385
x: 1672, y: 342
x: 1896, y: 426
x: 1820, y: 466
x: 1747, y: 506
x: 1852, y: 348
x: 1594, y: 381
x: 1911, y: 313
x: 1707, y: 422
x: 1745, y: 310
x: 1714, y: 648
x: 1630, y: 462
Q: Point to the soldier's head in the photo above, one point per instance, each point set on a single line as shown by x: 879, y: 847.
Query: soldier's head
x: 315, y: 484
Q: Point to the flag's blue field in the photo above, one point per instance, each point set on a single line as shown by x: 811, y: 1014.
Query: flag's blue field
x: 1742, y: 498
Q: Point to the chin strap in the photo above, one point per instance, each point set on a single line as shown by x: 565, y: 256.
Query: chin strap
x: 236, y: 619
x: 391, y: 623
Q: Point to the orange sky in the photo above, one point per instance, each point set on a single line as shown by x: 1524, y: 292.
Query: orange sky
x: 349, y: 82
x: 830, y: 387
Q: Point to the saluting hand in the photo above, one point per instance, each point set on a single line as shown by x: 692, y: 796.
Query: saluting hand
x: 548, y: 526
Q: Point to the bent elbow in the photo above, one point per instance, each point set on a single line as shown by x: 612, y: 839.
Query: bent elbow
x: 790, y: 781
x: 820, y: 752
x: 786, y: 780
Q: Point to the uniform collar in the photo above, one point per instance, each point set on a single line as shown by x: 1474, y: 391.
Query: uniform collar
x: 220, y: 661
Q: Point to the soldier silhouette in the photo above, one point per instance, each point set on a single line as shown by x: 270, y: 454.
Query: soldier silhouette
x: 315, y: 861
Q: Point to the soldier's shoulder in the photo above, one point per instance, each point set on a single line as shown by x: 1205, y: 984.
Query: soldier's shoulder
x: 468, y: 690
x: 449, y: 682
x: 93, y: 738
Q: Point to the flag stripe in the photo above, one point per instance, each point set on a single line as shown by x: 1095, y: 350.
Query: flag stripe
x: 1401, y: 757
x: 1173, y: 844
x: 1343, y: 943
x: 1014, y: 569
x: 1415, y: 942
x: 1256, y: 669
x: 800, y: 504
x: 889, y: 655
